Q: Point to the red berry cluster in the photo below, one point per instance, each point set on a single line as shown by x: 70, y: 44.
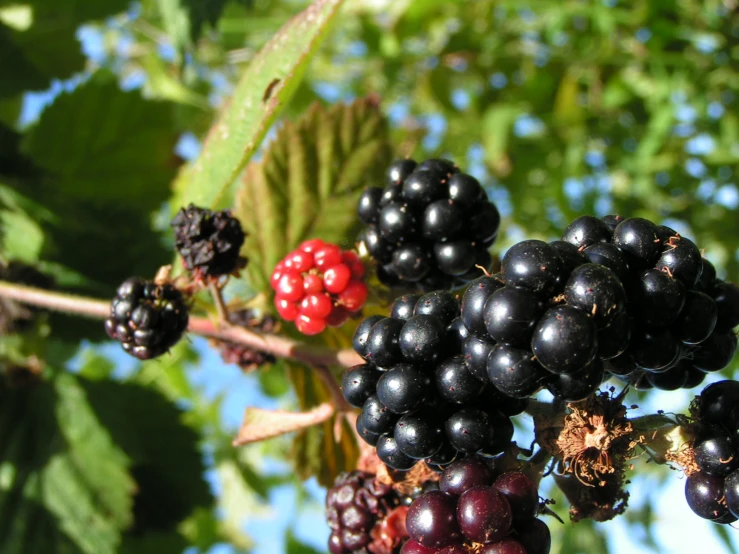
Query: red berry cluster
x: 318, y: 285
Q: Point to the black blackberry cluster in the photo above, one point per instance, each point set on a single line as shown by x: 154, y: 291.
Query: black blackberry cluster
x: 475, y: 511
x: 146, y: 318
x: 355, y: 505
x: 615, y: 296
x: 419, y: 398
x: 713, y: 492
x: 431, y: 225
x: 209, y: 242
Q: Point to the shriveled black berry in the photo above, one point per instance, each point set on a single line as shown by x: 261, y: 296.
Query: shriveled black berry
x: 455, y: 383
x: 586, y: 230
x: 358, y: 384
x: 397, y: 222
x: 597, y: 291
x: 716, y: 352
x: 442, y: 219
x: 510, y: 314
x: 421, y: 338
x: 376, y: 417
x: 726, y: 296
x: 368, y: 208
x: 440, y: 304
x: 391, y: 455
x: 209, y: 242
x: 610, y: 256
x: 681, y: 259
x: 573, y: 387
x: 361, y: 334
x: 354, y: 506
x: 383, y: 343
x: 475, y: 352
x: 419, y: 435
x: 403, y: 388
x: 469, y: 430
x: 564, y: 339
x: 571, y: 255
x: 535, y: 265
x: 411, y: 262
x: 147, y: 318
x: 637, y: 238
x: 399, y: 171
x: 697, y: 319
x: 514, y: 371
x: 658, y: 298
x: 653, y: 349
x: 473, y: 304
x: 403, y: 306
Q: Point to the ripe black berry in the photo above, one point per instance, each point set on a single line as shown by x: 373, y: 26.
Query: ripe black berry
x: 571, y: 255
x: 146, y: 318
x: 375, y: 416
x: 716, y: 454
x: 653, y: 348
x: 638, y: 239
x: 484, y: 515
x: 716, y: 352
x: 522, y: 494
x: 473, y: 304
x: 421, y: 337
x: 717, y: 401
x: 510, y: 314
x: 419, y: 435
x: 658, y: 298
x: 455, y: 257
x: 681, y: 259
x: 573, y: 387
x: 704, y: 494
x: 726, y: 296
x: 469, y: 430
x: 514, y: 371
x: 596, y: 290
x: 697, y: 319
x: 464, y: 190
x: 731, y: 493
x: 209, y: 242
x: 399, y: 171
x: 475, y: 352
x: 534, y: 265
x: 442, y: 219
x: 432, y: 520
x: 455, y: 383
x: 391, y: 455
x: 610, y: 256
x: 358, y: 384
x: 403, y: 388
x: 585, y: 231
x: 383, y: 343
x: 411, y: 262
x: 441, y: 304
x: 369, y: 204
x: 361, y: 334
x: 465, y: 474
x: 564, y: 339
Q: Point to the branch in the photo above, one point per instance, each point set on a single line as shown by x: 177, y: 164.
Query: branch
x: 278, y: 346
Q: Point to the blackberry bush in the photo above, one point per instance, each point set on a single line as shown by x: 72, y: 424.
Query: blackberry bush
x: 430, y: 226
x: 147, y: 318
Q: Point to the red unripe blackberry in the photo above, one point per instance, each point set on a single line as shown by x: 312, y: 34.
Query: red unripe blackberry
x: 146, y: 318
x: 356, y: 508
x: 317, y: 285
x: 209, y: 242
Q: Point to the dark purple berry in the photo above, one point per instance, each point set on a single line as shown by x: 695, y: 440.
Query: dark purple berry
x: 697, y: 319
x: 442, y: 219
x: 375, y: 416
x: 522, y: 494
x: 484, y: 515
x: 432, y: 520
x: 475, y: 352
x: 704, y: 494
x: 441, y: 304
x: 465, y: 474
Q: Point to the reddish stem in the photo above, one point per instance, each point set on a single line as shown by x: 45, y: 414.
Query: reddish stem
x: 278, y: 346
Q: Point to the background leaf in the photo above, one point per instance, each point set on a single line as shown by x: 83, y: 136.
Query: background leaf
x: 308, y: 182
x: 247, y: 117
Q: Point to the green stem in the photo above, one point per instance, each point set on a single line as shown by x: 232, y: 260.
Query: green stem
x: 278, y: 346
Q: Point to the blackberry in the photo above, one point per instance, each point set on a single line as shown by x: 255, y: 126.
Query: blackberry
x: 355, y: 506
x: 147, y: 318
x: 704, y: 494
x: 726, y: 296
x: 208, y: 242
x: 564, y: 339
x: 534, y: 265
x: 585, y: 231
x: 637, y: 238
x: 429, y: 227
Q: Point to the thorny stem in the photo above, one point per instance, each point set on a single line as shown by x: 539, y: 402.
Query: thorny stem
x: 278, y: 346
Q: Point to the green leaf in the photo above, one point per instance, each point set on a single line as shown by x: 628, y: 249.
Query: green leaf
x: 166, y: 461
x: 107, y: 157
x: 65, y: 483
x: 308, y: 182
x: 264, y: 89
